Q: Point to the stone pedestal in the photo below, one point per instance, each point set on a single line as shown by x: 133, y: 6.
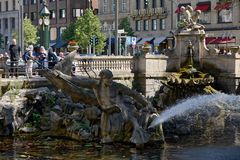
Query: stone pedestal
x: 72, y: 48
x: 197, y: 39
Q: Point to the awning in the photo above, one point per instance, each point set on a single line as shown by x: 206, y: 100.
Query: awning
x: 227, y: 5
x: 143, y: 40
x: 138, y: 39
x: 178, y: 10
x: 52, y: 44
x: 60, y: 44
x: 221, y: 6
x: 220, y: 40
x: 203, y: 7
x: 158, y: 40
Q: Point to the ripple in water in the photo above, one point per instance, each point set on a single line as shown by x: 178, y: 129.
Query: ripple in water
x: 220, y: 99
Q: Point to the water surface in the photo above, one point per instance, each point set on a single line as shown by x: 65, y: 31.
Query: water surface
x: 22, y: 147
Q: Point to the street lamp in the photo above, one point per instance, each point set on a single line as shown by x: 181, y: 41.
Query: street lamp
x: 44, y: 26
x: 116, y: 27
x: 21, y: 26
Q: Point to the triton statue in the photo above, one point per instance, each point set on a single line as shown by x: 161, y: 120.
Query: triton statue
x: 126, y: 113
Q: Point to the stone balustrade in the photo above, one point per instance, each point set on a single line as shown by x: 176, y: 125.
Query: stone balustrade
x: 121, y: 66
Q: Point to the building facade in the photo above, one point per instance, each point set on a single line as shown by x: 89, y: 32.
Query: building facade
x: 62, y: 13
x: 152, y: 20
x: 9, y: 21
x: 220, y: 17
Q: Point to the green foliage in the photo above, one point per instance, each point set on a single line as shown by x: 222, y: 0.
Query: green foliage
x: 1, y: 41
x: 50, y: 100
x: 69, y: 33
x: 30, y: 33
x: 182, y: 23
x: 83, y: 29
x: 14, y: 90
x: 36, y: 119
x: 15, y: 34
x: 125, y: 24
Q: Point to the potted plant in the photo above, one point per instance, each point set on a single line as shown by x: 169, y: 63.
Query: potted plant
x: 72, y: 45
x: 146, y: 48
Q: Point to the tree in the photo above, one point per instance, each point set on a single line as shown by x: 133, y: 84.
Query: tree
x: 125, y: 24
x: 30, y: 33
x: 69, y: 33
x: 87, y: 27
x: 84, y: 29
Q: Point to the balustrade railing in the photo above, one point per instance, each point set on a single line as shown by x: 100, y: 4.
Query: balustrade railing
x: 98, y: 63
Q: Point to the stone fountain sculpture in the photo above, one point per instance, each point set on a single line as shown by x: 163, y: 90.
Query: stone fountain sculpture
x: 189, y: 20
x: 126, y: 113
x: 185, y: 83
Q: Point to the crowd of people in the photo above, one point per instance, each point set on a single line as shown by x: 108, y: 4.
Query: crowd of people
x: 33, y: 58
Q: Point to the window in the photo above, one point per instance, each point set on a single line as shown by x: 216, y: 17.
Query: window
x: 33, y: 1
x: 205, y: 17
x: 138, y: 25
x: 5, y: 23
x: 6, y: 5
x: 113, y: 6
x: 154, y: 5
x: 52, y: 14
x: 124, y: 5
x: 162, y: 24
x: 105, y: 6
x: 145, y: 25
x: 225, y: 16
x: 13, y: 23
x: 154, y: 24
x: 61, y: 30
x: 14, y: 5
x: 205, y: 8
x: 161, y: 3
x: 77, y: 12
x: 178, y: 11
x: 0, y: 24
x: 33, y: 16
x: 0, y: 6
x: 25, y: 2
x: 138, y: 6
x: 53, y: 34
x: 25, y: 15
x: 62, y: 13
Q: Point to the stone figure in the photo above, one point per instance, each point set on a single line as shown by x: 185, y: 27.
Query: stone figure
x: 189, y: 19
x: 190, y: 52
x: 116, y: 116
x: 8, y: 119
x: 125, y: 113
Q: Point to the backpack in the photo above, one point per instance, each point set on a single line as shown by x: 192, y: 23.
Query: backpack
x: 26, y: 56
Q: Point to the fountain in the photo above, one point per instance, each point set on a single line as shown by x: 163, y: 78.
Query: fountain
x: 102, y: 110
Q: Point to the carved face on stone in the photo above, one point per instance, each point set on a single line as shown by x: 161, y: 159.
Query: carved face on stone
x: 106, y: 76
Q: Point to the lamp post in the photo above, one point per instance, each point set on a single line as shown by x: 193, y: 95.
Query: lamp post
x: 21, y: 26
x: 44, y: 25
x: 116, y: 27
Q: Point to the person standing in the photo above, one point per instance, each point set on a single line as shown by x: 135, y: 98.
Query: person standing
x: 42, y: 57
x: 15, y: 54
x: 29, y: 61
